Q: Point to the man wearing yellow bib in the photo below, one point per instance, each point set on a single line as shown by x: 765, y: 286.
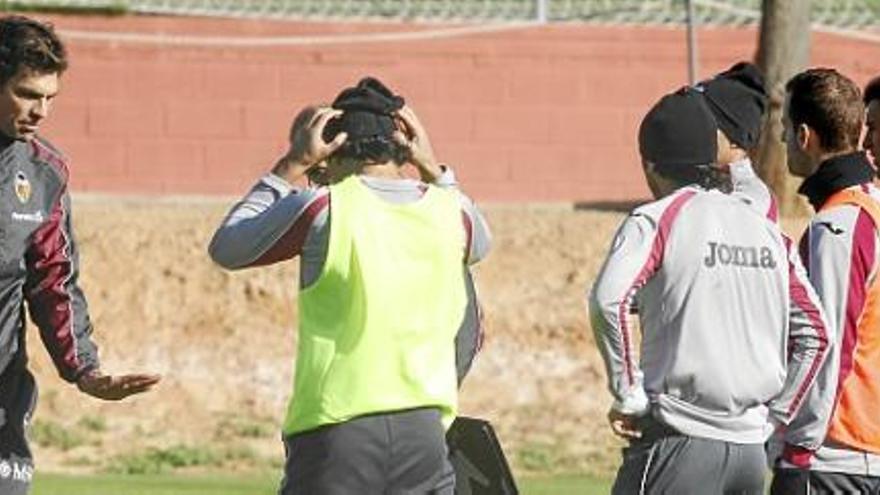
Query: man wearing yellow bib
x: 388, y: 321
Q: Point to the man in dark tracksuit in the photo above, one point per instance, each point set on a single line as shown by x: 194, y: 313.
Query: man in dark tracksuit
x: 38, y: 255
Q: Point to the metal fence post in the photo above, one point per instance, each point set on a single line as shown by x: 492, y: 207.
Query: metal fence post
x: 541, y: 11
x: 692, y: 42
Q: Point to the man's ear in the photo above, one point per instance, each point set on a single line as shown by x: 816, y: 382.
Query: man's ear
x: 400, y: 125
x: 655, y: 182
x: 805, y: 136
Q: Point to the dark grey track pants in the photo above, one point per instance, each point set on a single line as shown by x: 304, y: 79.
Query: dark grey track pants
x: 801, y: 482
x: 664, y: 462
x: 18, y: 397
x: 399, y: 453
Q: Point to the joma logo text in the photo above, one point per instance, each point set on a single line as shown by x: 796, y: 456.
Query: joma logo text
x: 725, y: 254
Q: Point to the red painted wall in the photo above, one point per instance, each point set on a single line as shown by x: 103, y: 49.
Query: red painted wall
x: 530, y: 114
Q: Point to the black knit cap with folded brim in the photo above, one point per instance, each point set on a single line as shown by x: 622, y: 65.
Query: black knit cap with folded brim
x: 368, y: 110
x: 738, y: 100
x: 678, y: 134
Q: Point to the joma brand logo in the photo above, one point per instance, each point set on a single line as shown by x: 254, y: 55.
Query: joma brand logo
x: 725, y: 254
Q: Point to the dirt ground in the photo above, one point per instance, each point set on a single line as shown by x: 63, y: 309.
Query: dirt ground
x: 224, y: 343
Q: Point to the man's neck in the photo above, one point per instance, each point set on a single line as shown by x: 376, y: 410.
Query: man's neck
x: 824, y: 156
x: 835, y: 173
x: 387, y: 170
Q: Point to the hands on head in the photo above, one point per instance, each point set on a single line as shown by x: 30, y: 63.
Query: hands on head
x: 115, y: 387
x: 414, y: 138
x: 308, y: 151
x: 307, y: 146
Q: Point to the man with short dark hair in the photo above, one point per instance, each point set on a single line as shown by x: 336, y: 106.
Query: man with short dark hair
x: 731, y: 330
x: 384, y: 292
x: 39, y: 264
x: 871, y: 144
x: 823, y: 121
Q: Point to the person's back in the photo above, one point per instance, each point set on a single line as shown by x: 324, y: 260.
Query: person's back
x: 384, y: 311
x: 717, y: 295
x: 732, y: 334
x: 386, y: 303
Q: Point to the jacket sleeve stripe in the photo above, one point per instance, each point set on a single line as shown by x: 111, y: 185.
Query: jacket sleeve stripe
x: 290, y: 243
x: 773, y: 209
x: 655, y: 259
x: 50, y: 301
x: 801, y: 298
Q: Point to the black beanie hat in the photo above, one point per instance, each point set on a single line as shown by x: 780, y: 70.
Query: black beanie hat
x: 738, y: 99
x: 678, y: 134
x: 368, y: 110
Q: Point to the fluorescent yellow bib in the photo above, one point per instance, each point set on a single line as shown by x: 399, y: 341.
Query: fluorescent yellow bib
x: 377, y: 329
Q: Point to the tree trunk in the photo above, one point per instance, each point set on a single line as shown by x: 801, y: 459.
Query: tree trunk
x: 783, y: 51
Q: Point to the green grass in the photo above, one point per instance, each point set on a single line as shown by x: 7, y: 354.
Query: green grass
x: 51, y: 434
x: 52, y: 484
x: 564, y: 485
x: 266, y: 484
x: 157, y: 461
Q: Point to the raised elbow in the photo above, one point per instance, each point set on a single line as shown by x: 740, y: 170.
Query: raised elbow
x: 220, y: 253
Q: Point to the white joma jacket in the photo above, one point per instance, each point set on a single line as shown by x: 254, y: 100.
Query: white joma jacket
x: 732, y: 333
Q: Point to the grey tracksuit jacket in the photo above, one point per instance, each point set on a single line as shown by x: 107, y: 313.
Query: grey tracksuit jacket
x: 732, y: 334
x: 39, y: 262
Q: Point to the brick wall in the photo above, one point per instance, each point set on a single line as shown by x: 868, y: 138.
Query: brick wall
x: 530, y: 114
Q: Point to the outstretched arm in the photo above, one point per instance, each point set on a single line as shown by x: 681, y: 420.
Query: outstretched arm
x: 58, y: 307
